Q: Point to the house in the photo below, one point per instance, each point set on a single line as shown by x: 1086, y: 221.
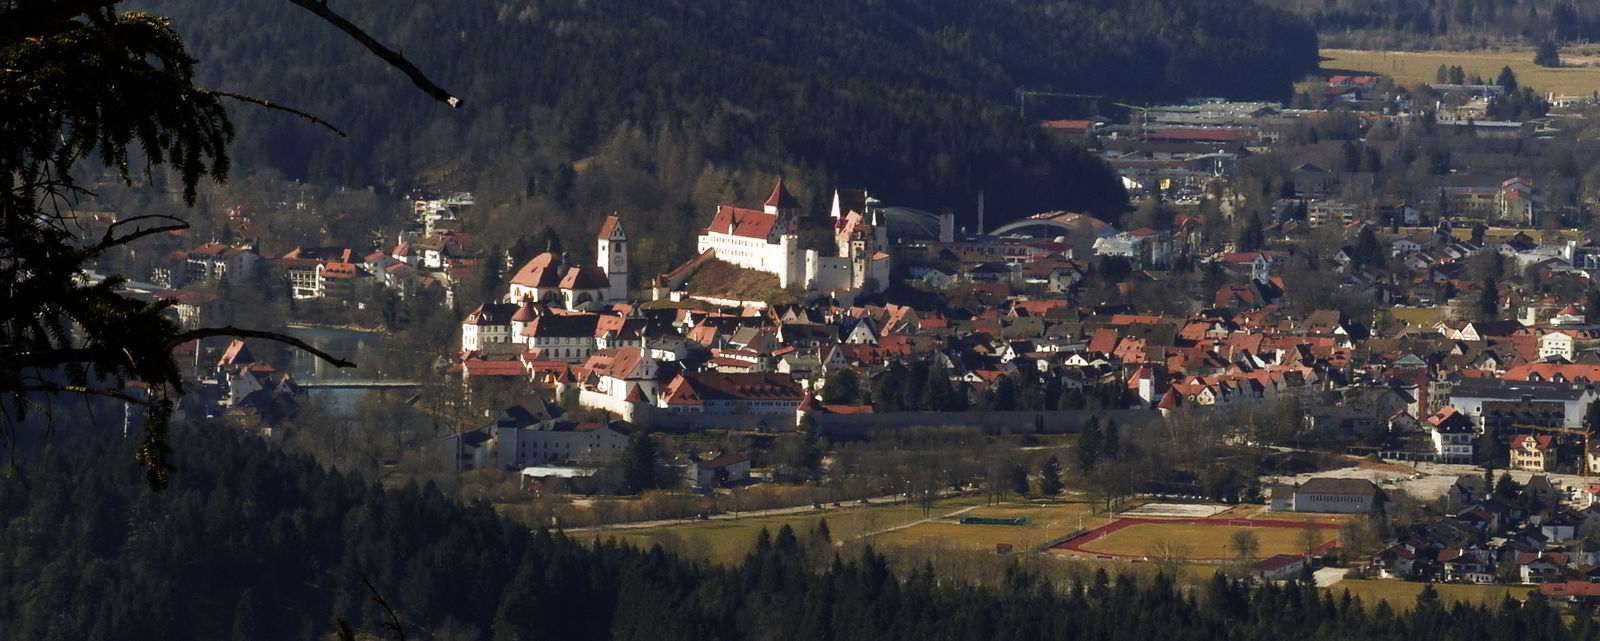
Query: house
x: 1540, y: 567
x: 523, y: 437
x: 1557, y: 344
x: 487, y: 326
x: 772, y: 394
x: 1336, y: 495
x: 1572, y: 595
x: 1279, y: 567
x: 218, y: 262
x: 722, y: 471
x: 1452, y: 433
x: 1533, y: 453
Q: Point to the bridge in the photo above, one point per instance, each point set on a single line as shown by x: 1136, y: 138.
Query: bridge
x: 359, y: 383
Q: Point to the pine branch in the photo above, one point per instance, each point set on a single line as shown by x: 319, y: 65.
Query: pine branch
x: 320, y: 8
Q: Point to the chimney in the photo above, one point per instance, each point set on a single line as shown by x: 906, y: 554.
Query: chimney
x: 947, y: 226
x: 981, y: 229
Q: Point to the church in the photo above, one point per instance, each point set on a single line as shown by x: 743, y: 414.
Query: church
x: 769, y: 240
x: 547, y: 278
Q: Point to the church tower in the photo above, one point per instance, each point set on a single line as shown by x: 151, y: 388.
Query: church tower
x: 612, y: 255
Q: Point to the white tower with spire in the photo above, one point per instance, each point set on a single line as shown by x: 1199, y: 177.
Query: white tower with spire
x: 612, y: 255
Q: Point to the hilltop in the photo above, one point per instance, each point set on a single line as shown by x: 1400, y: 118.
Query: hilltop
x: 672, y: 106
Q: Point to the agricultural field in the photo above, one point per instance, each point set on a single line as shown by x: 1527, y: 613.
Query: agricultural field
x: 728, y: 541
x: 1196, y: 541
x: 1410, y: 67
x: 1401, y: 594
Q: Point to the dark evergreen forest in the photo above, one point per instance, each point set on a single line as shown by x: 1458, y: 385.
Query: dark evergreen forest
x: 251, y: 543
x: 629, y: 104
x: 1530, y: 21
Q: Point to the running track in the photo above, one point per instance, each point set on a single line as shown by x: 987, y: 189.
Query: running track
x: 1076, y: 545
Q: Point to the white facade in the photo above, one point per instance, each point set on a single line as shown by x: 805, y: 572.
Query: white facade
x: 1556, y: 344
x: 557, y: 441
x: 769, y: 241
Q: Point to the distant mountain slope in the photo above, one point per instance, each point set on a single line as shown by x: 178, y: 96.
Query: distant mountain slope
x: 677, y: 100
x: 1448, y: 22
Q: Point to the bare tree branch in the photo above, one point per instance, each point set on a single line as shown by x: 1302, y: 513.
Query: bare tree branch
x: 273, y: 106
x: 320, y: 8
x: 209, y: 332
x: 110, y: 240
x: 393, y: 624
x: 78, y: 389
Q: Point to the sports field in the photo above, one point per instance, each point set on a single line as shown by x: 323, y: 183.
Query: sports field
x: 1410, y: 67
x: 1197, y: 539
x: 1045, y: 522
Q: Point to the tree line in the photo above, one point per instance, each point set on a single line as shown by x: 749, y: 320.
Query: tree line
x: 253, y: 543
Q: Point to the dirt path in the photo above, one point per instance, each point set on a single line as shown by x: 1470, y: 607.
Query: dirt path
x: 903, y: 526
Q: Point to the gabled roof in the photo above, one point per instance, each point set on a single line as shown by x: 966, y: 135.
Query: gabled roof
x: 748, y: 223
x: 611, y: 226
x: 781, y: 198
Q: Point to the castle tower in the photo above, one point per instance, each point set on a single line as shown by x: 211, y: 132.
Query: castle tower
x: 612, y: 255
x: 783, y: 205
x: 791, y: 260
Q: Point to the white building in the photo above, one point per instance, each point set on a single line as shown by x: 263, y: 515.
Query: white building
x: 522, y: 439
x: 487, y: 325
x: 1556, y: 343
x: 769, y: 241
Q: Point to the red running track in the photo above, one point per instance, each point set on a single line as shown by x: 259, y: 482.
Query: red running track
x: 1076, y: 545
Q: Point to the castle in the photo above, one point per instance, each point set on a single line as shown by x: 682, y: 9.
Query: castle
x: 769, y: 240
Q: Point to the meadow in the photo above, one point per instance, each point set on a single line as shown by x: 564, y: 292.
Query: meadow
x: 1401, y: 594
x: 1411, y: 67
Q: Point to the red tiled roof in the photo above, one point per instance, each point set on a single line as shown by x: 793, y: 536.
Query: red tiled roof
x: 609, y: 226
x: 1070, y: 125
x: 781, y: 198
x: 736, y: 221
x: 538, y: 272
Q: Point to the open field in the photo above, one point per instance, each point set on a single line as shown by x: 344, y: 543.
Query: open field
x: 727, y: 541
x: 1199, y: 541
x: 1401, y: 594
x: 1045, y: 522
x: 1410, y: 67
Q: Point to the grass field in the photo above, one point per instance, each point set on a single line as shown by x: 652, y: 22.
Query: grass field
x: 1200, y: 541
x: 1045, y: 522
x: 1410, y: 67
x: 1401, y: 594
x: 727, y: 541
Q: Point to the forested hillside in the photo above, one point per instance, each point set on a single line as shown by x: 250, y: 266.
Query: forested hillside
x: 249, y: 543
x: 1448, y: 22
x: 626, y: 105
